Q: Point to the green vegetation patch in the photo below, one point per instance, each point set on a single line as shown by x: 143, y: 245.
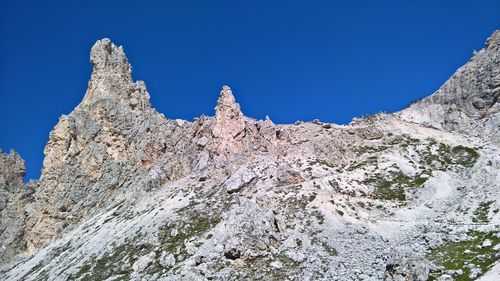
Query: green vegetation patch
x: 173, y: 235
x: 372, y: 160
x: 458, y: 255
x: 193, y: 223
x: 481, y: 213
x: 393, y: 187
x: 322, y: 162
x: 334, y: 184
x: 405, y: 141
x: 369, y: 149
x: 441, y: 156
x: 464, y: 156
x: 117, y: 262
x: 319, y: 216
x: 328, y: 249
x: 298, y: 203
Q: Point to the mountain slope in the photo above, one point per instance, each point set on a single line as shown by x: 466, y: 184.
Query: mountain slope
x: 126, y: 193
x: 468, y: 102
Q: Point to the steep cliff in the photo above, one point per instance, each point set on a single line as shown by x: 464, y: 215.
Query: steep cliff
x: 14, y: 199
x: 127, y: 194
x: 468, y: 102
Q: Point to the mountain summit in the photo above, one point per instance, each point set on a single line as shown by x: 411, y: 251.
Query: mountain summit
x: 229, y: 127
x: 128, y: 194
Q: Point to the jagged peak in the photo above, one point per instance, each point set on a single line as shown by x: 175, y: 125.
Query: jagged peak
x: 226, y: 104
x: 112, y: 77
x: 229, y: 119
x: 109, y: 59
x: 12, y: 167
x: 12, y: 155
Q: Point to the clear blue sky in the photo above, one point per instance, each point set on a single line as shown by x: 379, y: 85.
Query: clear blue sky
x: 331, y: 60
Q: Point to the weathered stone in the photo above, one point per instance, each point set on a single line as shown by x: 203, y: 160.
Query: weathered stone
x: 468, y: 101
x: 370, y: 133
x: 229, y: 127
x: 241, y: 178
x: 229, y: 197
x: 407, y: 266
x: 143, y: 262
x: 14, y: 198
x: 167, y: 260
x: 287, y: 175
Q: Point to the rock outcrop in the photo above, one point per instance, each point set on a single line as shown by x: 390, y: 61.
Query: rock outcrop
x: 229, y: 121
x: 468, y: 101
x: 14, y: 198
x: 109, y: 142
x: 126, y: 193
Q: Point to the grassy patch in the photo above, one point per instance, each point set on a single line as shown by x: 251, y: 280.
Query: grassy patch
x: 481, y: 213
x: 322, y: 162
x: 457, y: 255
x: 258, y: 268
x: 369, y: 149
x: 319, y: 216
x: 404, y: 142
x: 334, y: 184
x: 193, y: 222
x: 328, y: 249
x: 312, y: 197
x: 296, y: 204
x: 117, y: 262
x: 441, y: 156
x: 372, y: 160
x: 464, y: 156
x: 392, y: 186
x: 196, y: 224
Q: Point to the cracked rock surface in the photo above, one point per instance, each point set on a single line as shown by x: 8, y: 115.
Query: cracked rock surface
x: 129, y: 194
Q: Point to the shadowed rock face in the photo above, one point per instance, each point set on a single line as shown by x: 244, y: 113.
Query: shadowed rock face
x: 12, y: 170
x: 14, y: 197
x: 127, y: 193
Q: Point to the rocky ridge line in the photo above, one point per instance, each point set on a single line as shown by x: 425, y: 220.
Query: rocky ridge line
x: 128, y: 193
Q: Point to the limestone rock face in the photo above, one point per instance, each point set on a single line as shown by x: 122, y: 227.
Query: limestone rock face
x: 109, y: 142
x: 468, y: 101
x: 229, y: 127
x: 109, y: 61
x: 239, y: 179
x: 126, y: 193
x: 12, y: 171
x: 14, y: 197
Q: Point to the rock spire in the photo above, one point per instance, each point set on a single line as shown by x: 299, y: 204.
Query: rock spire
x: 112, y: 77
x: 228, y: 115
x: 109, y: 60
x: 229, y: 121
x: 113, y: 130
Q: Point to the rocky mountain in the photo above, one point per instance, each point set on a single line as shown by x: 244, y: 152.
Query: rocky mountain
x: 467, y: 102
x: 128, y: 194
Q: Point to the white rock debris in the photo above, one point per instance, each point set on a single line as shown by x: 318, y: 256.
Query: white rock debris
x: 127, y: 194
